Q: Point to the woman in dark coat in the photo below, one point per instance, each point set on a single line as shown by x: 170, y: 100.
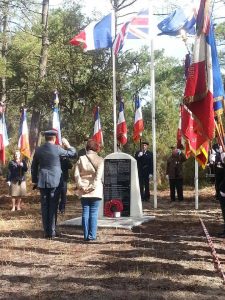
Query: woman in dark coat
x: 16, y: 180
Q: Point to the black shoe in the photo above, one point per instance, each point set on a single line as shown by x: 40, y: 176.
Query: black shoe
x: 172, y: 200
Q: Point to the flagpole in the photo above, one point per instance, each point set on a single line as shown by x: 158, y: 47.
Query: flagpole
x: 152, y: 83
x: 196, y: 184
x: 114, y: 81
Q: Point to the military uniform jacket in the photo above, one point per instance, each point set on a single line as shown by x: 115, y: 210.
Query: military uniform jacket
x: 144, y: 163
x: 175, y: 166
x: 46, y: 167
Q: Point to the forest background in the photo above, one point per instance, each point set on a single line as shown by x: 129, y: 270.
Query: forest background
x: 37, y: 59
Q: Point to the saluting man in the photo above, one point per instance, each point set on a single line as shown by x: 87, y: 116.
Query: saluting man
x: 46, y: 173
x: 144, y: 159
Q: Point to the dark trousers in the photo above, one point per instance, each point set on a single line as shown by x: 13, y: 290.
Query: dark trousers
x: 49, y: 206
x: 176, y: 185
x: 219, y: 176
x: 222, y: 205
x: 62, y: 195
x: 144, y: 186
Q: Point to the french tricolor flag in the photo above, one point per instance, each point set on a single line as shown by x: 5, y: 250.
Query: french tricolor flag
x: 138, y: 121
x: 121, y: 126
x: 4, y: 141
x: 56, y: 120
x: 96, y: 35
x: 23, y: 143
x: 97, y: 136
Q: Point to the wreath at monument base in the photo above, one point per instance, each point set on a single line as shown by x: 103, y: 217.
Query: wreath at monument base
x: 112, y: 206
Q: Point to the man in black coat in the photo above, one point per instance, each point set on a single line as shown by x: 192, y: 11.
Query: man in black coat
x: 144, y: 159
x: 46, y: 173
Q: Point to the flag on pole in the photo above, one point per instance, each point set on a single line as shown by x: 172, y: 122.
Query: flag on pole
x: 136, y: 28
x: 96, y: 35
x: 23, y: 143
x: 4, y: 141
x: 97, y: 136
x: 56, y: 119
x: 198, y: 119
x: 138, y: 121
x: 121, y: 126
x: 182, y: 18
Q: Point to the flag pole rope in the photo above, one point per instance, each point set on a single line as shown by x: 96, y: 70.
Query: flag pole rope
x: 216, y: 261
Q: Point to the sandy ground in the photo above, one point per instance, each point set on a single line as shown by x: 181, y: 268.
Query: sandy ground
x: 167, y: 258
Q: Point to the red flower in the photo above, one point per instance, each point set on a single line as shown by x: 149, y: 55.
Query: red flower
x: 111, y: 206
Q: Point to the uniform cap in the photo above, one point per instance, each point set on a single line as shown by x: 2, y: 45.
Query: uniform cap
x: 50, y: 132
x: 145, y: 143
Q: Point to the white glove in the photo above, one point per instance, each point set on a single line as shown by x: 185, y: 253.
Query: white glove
x: 212, y: 158
x: 150, y: 176
x: 9, y: 183
x: 21, y: 164
x: 222, y: 155
x: 140, y: 154
x: 220, y: 149
x: 167, y: 177
x: 65, y: 143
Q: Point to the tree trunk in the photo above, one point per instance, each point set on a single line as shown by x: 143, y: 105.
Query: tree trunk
x: 5, y: 11
x: 36, y: 116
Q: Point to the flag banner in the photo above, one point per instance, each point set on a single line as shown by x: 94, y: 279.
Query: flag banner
x: 4, y: 141
x: 56, y: 120
x: 23, y: 143
x: 196, y: 143
x: 199, y: 91
x: 121, y: 126
x: 96, y: 35
x: 136, y: 28
x: 182, y: 18
x: 138, y: 121
x: 97, y: 136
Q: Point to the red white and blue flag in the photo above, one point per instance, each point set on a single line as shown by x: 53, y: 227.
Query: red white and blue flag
x: 4, y: 141
x: 97, y: 136
x: 198, y: 116
x: 136, y: 28
x: 96, y: 35
x: 121, y: 126
x: 138, y: 121
x: 56, y: 120
x: 23, y: 143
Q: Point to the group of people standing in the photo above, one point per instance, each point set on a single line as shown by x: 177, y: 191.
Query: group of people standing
x: 49, y: 171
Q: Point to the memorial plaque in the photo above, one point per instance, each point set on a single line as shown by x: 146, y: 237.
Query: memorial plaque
x: 117, y: 179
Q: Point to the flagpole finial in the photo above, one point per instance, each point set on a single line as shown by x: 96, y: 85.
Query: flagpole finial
x: 56, y: 98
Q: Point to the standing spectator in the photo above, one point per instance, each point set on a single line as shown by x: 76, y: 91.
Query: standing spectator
x: 215, y: 158
x: 46, y: 173
x: 174, y: 172
x: 144, y: 159
x: 222, y: 197
x: 16, y: 180
x: 65, y: 166
x: 88, y: 179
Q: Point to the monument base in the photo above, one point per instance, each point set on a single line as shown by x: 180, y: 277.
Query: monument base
x: 122, y: 222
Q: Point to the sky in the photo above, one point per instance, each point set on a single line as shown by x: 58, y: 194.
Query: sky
x: 174, y: 46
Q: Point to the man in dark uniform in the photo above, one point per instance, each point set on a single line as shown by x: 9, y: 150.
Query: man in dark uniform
x: 66, y: 164
x: 219, y: 168
x: 222, y: 195
x: 145, y: 170
x: 174, y: 172
x: 46, y: 173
